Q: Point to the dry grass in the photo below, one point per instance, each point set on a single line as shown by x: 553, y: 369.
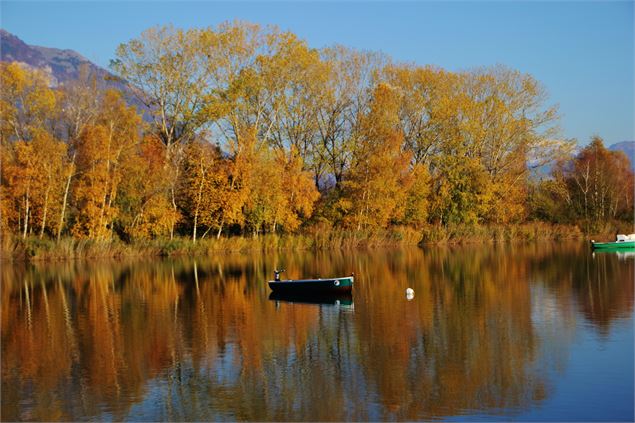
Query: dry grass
x: 318, y: 237
x: 532, y: 231
x: 15, y: 248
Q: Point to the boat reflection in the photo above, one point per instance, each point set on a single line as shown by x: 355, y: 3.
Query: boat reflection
x: 621, y: 255
x: 342, y: 300
x: 625, y: 255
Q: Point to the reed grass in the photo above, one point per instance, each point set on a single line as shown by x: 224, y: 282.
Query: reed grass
x: 317, y: 237
x: 531, y: 231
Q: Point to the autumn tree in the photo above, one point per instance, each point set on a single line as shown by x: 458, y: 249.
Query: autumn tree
x: 168, y: 71
x: 165, y: 67
x: 480, y: 133
x: 202, y: 186
x: 32, y: 159
x: 424, y: 93
x: 33, y: 183
x: 417, y: 205
x: 144, y: 209
x: 282, y: 193
x: 79, y: 101
x: 301, y: 193
x: 376, y: 185
x: 27, y: 104
x: 599, y: 184
x: 342, y: 101
x: 295, y: 124
x: 101, y: 149
x: 510, y: 128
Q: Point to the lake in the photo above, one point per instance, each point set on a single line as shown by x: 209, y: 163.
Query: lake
x: 534, y: 332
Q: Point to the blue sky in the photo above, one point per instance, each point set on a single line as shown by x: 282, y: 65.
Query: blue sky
x: 582, y: 52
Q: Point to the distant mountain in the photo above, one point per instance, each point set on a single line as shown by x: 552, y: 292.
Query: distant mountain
x: 61, y: 65
x: 628, y: 147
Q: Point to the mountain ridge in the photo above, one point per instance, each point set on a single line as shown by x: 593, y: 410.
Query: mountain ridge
x: 64, y: 65
x: 61, y: 65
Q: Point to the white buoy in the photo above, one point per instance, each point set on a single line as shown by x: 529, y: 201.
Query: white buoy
x: 410, y: 294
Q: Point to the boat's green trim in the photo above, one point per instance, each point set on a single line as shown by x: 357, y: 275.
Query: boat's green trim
x: 612, y: 245
x: 345, y: 281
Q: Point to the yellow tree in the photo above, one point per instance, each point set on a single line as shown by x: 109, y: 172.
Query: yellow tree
x: 203, y: 180
x: 508, y: 128
x: 168, y: 69
x: 146, y: 212
x: 266, y: 193
x: 342, y: 101
x: 256, y: 76
x: 31, y: 164
x: 282, y: 193
x: 91, y: 183
x: 294, y: 123
x: 376, y: 186
x: 79, y: 102
x: 424, y: 90
x: 300, y: 193
x: 101, y: 149
x: 27, y: 104
x: 417, y: 197
x: 165, y: 66
x: 33, y: 182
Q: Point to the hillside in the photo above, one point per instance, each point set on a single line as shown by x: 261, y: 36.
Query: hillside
x: 61, y: 65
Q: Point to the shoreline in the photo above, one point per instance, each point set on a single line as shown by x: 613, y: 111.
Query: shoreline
x: 14, y: 249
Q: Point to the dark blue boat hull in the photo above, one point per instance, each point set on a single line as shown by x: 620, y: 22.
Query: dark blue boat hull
x: 336, y: 286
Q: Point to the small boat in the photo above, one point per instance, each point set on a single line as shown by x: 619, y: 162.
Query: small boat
x: 622, y: 241
x: 304, y: 286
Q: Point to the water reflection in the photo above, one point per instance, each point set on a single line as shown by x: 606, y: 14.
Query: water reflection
x: 205, y: 340
x: 345, y: 300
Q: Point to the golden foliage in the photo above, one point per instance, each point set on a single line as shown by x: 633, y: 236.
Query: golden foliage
x: 27, y: 104
x: 247, y: 127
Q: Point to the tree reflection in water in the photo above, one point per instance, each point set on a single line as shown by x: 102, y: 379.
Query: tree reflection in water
x: 200, y: 340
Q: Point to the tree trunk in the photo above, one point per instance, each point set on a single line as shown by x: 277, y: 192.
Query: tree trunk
x: 103, y: 225
x: 101, y: 214
x: 174, y: 207
x: 46, y: 202
x: 111, y: 198
x: 209, y: 228
x: 68, y: 184
x: 198, y: 204
x: 220, y: 228
x: 194, y: 229
x: 26, y: 212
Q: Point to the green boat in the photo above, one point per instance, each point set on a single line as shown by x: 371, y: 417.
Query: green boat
x: 622, y: 242
x: 311, y: 286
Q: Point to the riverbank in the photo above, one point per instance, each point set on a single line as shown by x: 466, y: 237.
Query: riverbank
x: 33, y: 248
x: 466, y: 234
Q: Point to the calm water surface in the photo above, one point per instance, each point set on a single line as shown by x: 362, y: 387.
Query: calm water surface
x: 524, y: 332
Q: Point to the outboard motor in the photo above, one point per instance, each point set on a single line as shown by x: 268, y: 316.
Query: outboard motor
x: 276, y: 275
